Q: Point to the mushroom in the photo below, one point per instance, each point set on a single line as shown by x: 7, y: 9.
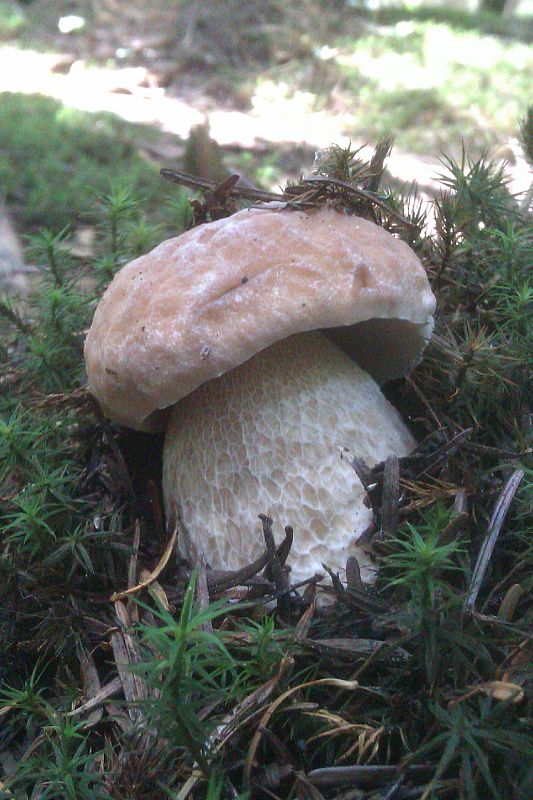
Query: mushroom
x: 258, y: 342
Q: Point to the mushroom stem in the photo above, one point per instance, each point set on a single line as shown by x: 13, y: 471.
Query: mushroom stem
x: 264, y: 439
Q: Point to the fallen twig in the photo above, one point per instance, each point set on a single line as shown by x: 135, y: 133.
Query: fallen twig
x: 126, y: 652
x: 205, y: 185
x: 113, y: 687
x: 363, y: 774
x: 309, y: 192
x: 495, y: 525
x: 275, y: 569
x: 290, y: 588
x: 391, y: 496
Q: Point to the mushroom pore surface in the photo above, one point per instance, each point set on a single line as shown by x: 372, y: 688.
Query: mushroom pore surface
x: 264, y: 439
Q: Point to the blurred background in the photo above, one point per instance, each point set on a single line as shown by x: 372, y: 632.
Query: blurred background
x: 104, y: 93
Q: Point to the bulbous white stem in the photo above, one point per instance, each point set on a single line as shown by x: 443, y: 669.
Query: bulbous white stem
x: 265, y: 439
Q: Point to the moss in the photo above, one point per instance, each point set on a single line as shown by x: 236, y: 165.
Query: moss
x: 55, y: 160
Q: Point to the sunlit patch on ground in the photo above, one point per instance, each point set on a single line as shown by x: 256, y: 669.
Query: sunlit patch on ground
x: 277, y: 114
x: 429, y: 84
x: 130, y: 93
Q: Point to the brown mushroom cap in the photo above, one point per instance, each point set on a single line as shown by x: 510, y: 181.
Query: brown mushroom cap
x: 205, y: 302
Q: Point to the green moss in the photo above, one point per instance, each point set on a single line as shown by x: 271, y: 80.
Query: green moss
x: 485, y: 22
x: 12, y: 19
x: 429, y: 83
x: 55, y: 160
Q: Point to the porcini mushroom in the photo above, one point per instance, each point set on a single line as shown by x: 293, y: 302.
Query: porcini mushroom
x: 218, y: 336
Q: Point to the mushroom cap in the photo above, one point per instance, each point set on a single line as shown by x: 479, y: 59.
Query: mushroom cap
x: 205, y: 302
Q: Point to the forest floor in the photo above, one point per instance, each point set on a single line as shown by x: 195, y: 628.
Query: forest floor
x: 128, y: 673
x: 274, y: 92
